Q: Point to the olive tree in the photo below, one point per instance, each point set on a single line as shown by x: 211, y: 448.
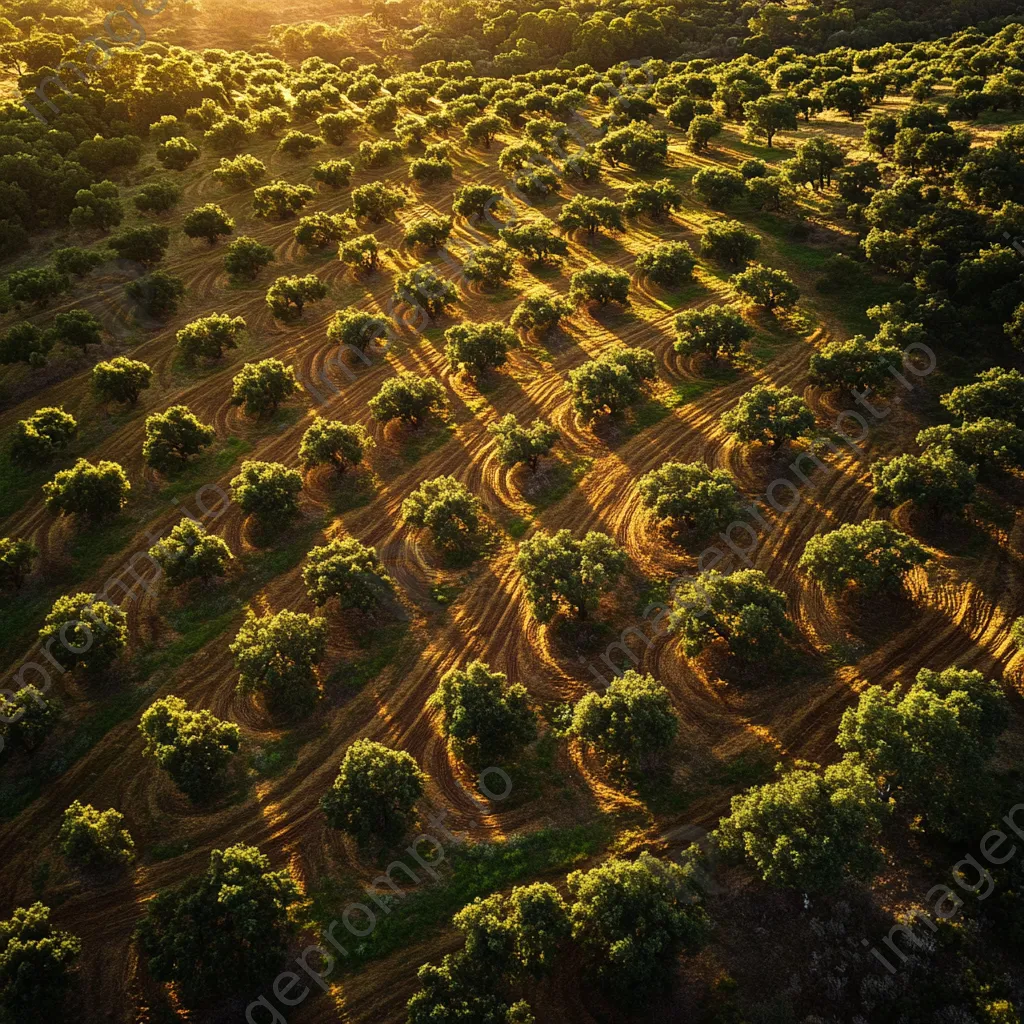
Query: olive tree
x: 769, y: 415
x: 632, y: 722
x: 559, y: 571
x: 333, y: 443
x: 209, y: 222
x: 741, y: 609
x: 348, y: 570
x: 540, y: 310
x: 45, y: 433
x: 713, y: 331
x: 872, y: 556
x: 82, y: 631
x: 261, y: 387
x: 92, y: 491
x: 35, y: 963
x: 485, y: 719
x: 447, y: 508
x: 773, y: 289
x: 16, y: 558
x: 515, y: 444
x: 190, y: 553
x: 287, y: 296
x: 223, y: 932
x: 667, y: 263
x: 174, y: 436
x: 90, y: 838
x: 729, y: 242
x: 408, y: 397
x: 704, y: 499
x: 937, y: 480
x: 375, y: 791
x: 245, y: 257
x: 599, y: 284
x: 268, y: 491
x: 855, y: 365
x: 276, y: 655
x: 209, y: 336
x: 612, y: 382
x: 423, y: 288
x: 477, y: 348
x: 121, y: 380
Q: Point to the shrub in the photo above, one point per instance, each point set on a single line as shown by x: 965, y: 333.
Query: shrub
x: 177, y: 153
x: 377, y: 201
x: 296, y: 143
x: 156, y: 294
x: 336, y: 173
x: 157, y: 197
x: 245, y: 171
x: 279, y: 199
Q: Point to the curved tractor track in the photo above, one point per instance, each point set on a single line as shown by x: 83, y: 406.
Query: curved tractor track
x: 961, y: 609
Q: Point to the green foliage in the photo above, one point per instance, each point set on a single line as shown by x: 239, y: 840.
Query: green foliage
x: 486, y: 719
x: 193, y: 747
x: 145, y: 245
x: 490, y: 264
x: 121, y: 379
x: 742, y: 609
x: 229, y: 134
x: 729, y: 242
x: 350, y: 571
x: 84, y: 631
x: 335, y: 173
x: 408, y: 397
x: 590, y: 213
x: 208, y: 336
x: 423, y: 288
x: 177, y: 153
x: 276, y: 655
x: 636, y: 144
x: 35, y: 963
x: 807, y: 830
x: 25, y: 343
x: 936, y: 480
x: 93, y: 491
x: 73, y: 260
x: 474, y: 201
x: 267, y: 490
x: 27, y: 717
x: 224, y: 932
x: 172, y: 437
x: 337, y: 127
x: 997, y: 393
x: 704, y: 499
x: 517, y: 444
x: 447, y: 508
x: 45, y: 433
x: 38, y: 285
x: 319, y: 229
x: 768, y: 115
x: 78, y: 328
x: 703, y: 128
x: 716, y: 186
x: 930, y: 745
x: 157, y: 294
x: 612, y: 382
x: 982, y: 443
x: 375, y: 791
x: 245, y: 257
x: 855, y: 365
x: 278, y: 199
x: 295, y: 143
x: 431, y: 231
x: 157, y: 197
x: 287, y: 296
x: 98, y: 206
x: 599, y: 284
x: 873, y: 556
x: 712, y: 331
x: 431, y: 172
x: 208, y: 221
x: 632, y: 722
x: 815, y: 162
x: 356, y: 328
x: 657, y: 198
x: 535, y: 240
x: 376, y: 201
x: 189, y: 553
x: 477, y: 348
x: 361, y: 252
x: 773, y: 289
x: 95, y: 839
x: 481, y: 130
x: 632, y: 919
x: 769, y: 415
x: 540, y: 309
x: 16, y: 558
x: 560, y: 571
x: 245, y: 171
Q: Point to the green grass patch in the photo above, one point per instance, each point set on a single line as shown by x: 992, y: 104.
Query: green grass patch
x: 384, y: 645
x: 516, y: 527
x: 167, y: 851
x: 560, y: 478
x: 465, y: 873
x: 276, y: 756
x: 429, y: 441
x: 751, y: 768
